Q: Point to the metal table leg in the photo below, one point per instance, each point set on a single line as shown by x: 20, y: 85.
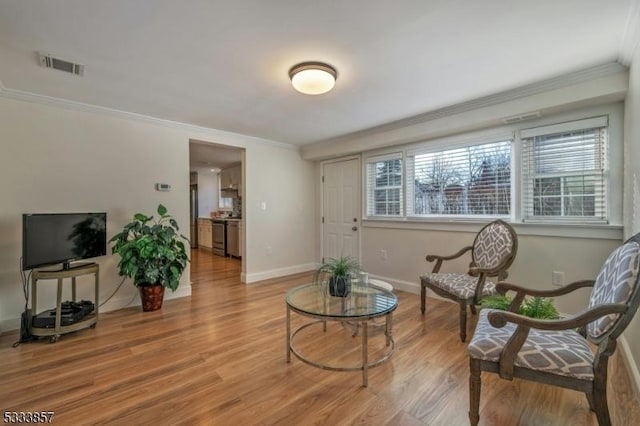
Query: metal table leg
x: 288, y: 334
x: 365, y: 354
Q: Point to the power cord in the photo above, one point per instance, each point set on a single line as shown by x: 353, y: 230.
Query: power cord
x: 114, y: 292
x: 25, y: 318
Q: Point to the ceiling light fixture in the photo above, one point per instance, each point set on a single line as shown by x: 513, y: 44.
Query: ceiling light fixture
x: 313, y: 78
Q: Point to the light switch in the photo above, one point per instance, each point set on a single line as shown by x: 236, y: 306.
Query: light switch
x: 263, y: 205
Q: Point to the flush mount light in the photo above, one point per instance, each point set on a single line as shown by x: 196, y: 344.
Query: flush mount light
x: 313, y: 78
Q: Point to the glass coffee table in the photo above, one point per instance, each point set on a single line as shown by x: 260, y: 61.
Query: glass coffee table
x: 359, y: 307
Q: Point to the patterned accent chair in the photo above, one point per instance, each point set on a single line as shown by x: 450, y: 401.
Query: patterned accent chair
x: 492, y: 252
x: 557, y: 352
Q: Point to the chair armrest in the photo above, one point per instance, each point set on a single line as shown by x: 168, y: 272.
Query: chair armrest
x: 499, y: 319
x: 521, y: 292
x: 524, y: 324
x: 440, y: 259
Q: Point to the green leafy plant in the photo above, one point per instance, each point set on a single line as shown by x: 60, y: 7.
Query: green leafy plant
x: 152, y: 252
x: 498, y: 301
x: 341, y: 267
x: 533, y: 307
x: 539, y: 307
x: 335, y: 275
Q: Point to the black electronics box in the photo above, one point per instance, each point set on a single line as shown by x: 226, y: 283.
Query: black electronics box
x: 70, y: 313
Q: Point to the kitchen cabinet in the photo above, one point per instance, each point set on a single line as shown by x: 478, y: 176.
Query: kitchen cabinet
x: 205, y: 233
x: 231, y: 178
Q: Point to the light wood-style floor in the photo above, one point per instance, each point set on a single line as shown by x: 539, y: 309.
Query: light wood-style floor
x: 219, y: 358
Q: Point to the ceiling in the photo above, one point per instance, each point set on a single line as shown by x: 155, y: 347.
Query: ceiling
x: 224, y: 64
x: 208, y: 158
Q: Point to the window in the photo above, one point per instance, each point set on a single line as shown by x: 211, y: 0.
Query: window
x: 472, y: 180
x: 384, y: 185
x: 224, y: 203
x: 557, y: 173
x: 563, y: 171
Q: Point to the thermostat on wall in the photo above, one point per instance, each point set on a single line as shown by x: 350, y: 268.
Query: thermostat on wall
x: 163, y: 187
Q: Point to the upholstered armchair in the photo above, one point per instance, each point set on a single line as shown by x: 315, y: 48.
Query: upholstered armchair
x: 557, y: 352
x: 492, y: 252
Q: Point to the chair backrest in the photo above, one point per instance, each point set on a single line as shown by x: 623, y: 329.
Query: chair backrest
x: 495, y: 246
x: 617, y: 282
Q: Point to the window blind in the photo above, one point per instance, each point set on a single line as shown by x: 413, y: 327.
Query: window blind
x: 473, y: 180
x: 563, y: 172
x: 385, y: 185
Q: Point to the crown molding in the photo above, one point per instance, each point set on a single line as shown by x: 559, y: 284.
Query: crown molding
x: 631, y: 34
x: 217, y: 136
x: 554, y: 83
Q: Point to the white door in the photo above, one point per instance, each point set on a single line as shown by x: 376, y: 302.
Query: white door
x: 341, y: 209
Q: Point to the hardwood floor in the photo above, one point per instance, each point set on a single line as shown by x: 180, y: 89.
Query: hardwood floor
x: 219, y: 358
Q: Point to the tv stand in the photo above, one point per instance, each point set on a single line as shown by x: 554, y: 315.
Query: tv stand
x: 75, y: 271
x: 67, y: 266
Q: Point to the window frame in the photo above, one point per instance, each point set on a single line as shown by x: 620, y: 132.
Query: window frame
x: 600, y: 125
x: 614, y: 178
x: 439, y: 149
x: 371, y: 202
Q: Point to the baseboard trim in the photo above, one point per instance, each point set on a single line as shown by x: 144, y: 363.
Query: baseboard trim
x: 632, y: 367
x: 276, y: 273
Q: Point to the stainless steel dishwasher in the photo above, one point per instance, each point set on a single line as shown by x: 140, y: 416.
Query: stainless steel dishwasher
x: 219, y: 232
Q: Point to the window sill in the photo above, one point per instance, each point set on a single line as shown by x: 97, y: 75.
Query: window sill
x: 592, y: 231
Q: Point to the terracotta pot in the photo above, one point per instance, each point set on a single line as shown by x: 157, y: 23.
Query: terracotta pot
x: 151, y: 297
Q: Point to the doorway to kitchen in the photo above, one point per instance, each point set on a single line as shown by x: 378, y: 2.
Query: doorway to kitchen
x: 216, y: 211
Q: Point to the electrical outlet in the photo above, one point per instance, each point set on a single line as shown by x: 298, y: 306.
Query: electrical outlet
x: 268, y: 250
x: 557, y: 278
x: 383, y: 254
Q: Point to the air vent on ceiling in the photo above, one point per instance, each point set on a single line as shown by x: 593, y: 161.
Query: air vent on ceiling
x: 522, y: 117
x: 49, y: 61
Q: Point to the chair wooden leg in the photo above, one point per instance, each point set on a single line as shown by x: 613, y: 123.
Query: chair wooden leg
x: 600, y: 401
x: 463, y: 320
x: 423, y: 297
x: 473, y: 308
x: 474, y: 391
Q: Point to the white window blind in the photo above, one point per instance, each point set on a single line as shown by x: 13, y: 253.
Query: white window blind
x: 384, y: 185
x: 473, y: 180
x: 564, y: 172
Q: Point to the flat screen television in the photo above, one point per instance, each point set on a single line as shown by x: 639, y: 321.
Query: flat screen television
x: 53, y: 238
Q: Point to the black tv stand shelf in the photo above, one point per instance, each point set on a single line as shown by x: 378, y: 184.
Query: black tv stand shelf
x: 89, y: 320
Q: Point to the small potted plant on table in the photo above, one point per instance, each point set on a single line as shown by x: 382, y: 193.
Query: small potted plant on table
x: 153, y: 253
x: 336, y: 274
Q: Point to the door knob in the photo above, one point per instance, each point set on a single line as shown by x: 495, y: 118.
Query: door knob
x: 355, y: 228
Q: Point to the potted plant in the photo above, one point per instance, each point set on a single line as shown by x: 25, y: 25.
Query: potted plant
x: 532, y: 307
x: 336, y: 274
x: 153, y: 253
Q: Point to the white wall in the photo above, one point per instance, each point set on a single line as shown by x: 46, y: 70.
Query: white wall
x: 632, y: 189
x: 58, y: 156
x: 406, y: 249
x: 284, y: 185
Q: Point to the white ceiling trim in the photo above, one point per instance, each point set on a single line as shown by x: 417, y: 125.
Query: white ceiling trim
x: 218, y: 136
x: 631, y: 35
